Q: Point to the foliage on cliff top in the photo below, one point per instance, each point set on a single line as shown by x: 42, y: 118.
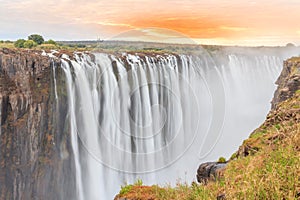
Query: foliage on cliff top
x: 5, y: 44
x: 36, y: 38
x: 267, y: 165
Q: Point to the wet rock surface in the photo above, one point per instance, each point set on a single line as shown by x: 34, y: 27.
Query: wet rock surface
x: 34, y: 149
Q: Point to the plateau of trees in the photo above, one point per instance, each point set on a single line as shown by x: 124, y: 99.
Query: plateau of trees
x: 33, y: 41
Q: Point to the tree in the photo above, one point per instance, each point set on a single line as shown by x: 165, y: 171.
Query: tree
x: 19, y: 43
x: 36, y: 38
x: 50, y: 42
x: 29, y: 44
x: 290, y: 45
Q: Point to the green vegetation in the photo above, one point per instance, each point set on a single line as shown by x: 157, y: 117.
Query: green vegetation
x: 122, y: 46
x: 34, y: 41
x: 222, y: 160
x: 182, y: 191
x: 29, y: 44
x: 50, y: 42
x: 144, y: 47
x: 127, y: 188
x: 271, y: 169
x: 36, y: 38
x: 4, y: 44
x: 19, y: 43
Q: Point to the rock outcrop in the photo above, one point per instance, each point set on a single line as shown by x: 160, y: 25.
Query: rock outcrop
x: 288, y: 81
x: 35, y: 161
x: 210, y: 171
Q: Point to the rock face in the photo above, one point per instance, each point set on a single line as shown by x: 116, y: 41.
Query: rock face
x: 34, y: 149
x: 210, y: 171
x: 288, y: 81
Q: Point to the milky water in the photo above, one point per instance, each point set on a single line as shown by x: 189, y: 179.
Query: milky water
x: 157, y: 117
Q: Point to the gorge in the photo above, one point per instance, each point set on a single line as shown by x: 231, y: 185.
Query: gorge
x: 92, y: 121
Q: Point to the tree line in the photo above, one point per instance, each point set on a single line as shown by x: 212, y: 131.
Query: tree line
x: 32, y: 41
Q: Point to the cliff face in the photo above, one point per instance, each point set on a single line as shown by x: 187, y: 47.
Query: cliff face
x: 34, y: 149
x: 288, y: 81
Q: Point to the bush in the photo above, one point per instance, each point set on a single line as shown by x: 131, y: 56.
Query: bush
x: 36, y: 38
x: 47, y: 46
x: 222, y: 160
x: 50, y: 42
x: 1, y: 41
x: 29, y: 44
x: 19, y: 43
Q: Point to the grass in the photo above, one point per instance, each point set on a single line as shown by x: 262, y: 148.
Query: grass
x: 180, y: 192
x: 10, y: 45
x: 270, y: 171
x: 7, y: 45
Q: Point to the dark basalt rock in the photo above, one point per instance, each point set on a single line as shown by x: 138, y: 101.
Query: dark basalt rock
x: 210, y: 171
x: 35, y: 160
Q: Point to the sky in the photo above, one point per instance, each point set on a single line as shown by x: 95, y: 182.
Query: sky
x: 225, y: 22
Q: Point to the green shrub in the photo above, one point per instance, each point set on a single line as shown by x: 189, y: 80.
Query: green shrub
x: 233, y: 156
x: 50, y: 42
x: 138, y: 182
x: 19, y: 43
x: 29, y: 44
x: 36, y: 38
x: 125, y: 189
x: 222, y: 160
x: 1, y: 41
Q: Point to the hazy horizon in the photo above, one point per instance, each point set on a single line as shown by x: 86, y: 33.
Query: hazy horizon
x: 217, y: 22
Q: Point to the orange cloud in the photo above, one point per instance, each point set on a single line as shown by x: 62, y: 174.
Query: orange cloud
x: 216, y: 20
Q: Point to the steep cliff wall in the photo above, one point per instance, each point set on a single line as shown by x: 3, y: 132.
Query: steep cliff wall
x: 34, y: 148
x: 288, y: 81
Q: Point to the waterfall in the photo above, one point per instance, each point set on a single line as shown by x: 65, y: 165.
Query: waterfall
x: 156, y: 117
x: 54, y: 79
x: 74, y: 139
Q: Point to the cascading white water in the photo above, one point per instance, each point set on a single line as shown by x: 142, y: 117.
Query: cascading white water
x: 158, y: 117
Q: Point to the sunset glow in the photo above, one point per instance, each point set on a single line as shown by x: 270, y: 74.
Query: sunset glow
x: 235, y: 22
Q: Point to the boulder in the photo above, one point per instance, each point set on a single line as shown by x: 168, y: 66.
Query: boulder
x: 210, y: 171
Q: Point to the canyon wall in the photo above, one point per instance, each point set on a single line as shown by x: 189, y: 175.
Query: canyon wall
x: 35, y: 156
x: 36, y: 88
